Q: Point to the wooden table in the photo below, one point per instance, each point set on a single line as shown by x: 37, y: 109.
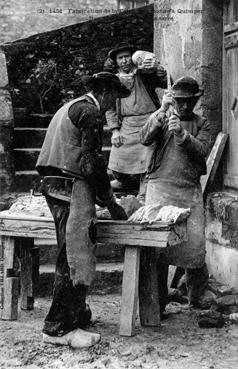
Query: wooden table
x: 18, y: 232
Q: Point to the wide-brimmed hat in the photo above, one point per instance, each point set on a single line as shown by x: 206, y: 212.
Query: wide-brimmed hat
x: 186, y: 87
x: 122, y: 46
x: 108, y: 80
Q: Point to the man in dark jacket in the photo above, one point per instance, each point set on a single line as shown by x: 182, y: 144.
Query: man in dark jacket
x: 129, y: 159
x: 181, y: 141
x: 75, y: 178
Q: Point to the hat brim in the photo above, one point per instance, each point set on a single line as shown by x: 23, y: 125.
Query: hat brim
x: 113, y: 53
x: 122, y: 91
x: 117, y: 86
x: 104, y: 79
x: 184, y: 95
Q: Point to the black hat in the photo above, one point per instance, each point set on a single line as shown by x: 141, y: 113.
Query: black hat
x: 107, y: 80
x: 186, y: 87
x: 121, y: 47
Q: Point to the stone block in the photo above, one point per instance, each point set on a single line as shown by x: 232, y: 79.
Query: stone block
x: 210, y: 319
x: 3, y: 71
x: 5, y: 106
x: 227, y: 300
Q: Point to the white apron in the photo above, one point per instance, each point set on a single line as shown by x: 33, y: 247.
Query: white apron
x: 132, y: 157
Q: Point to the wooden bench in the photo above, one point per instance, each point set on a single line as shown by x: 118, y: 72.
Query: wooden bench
x: 18, y: 233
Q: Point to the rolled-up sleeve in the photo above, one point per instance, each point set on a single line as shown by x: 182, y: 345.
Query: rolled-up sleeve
x: 199, y: 145
x: 152, y: 128
x: 112, y: 119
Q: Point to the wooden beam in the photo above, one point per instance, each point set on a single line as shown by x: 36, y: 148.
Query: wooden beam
x: 11, y: 281
x: 129, y: 291
x: 214, y: 160
x: 1, y: 272
x: 148, y: 289
x: 28, y: 255
x: 108, y: 231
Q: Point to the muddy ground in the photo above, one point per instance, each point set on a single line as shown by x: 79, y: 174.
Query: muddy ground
x: 179, y: 343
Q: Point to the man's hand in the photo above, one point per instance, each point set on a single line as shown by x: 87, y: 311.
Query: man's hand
x: 174, y: 125
x: 149, y: 63
x: 167, y: 101
x: 117, y: 212
x: 117, y: 139
x: 154, y: 119
x: 161, y: 72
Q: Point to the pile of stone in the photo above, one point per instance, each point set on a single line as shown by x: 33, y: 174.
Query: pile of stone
x: 219, y: 304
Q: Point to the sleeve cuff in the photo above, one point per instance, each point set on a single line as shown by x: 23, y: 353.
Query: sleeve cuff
x: 181, y: 139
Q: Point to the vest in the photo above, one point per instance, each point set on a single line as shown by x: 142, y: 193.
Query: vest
x: 62, y: 145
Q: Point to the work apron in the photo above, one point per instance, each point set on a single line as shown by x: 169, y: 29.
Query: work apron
x: 132, y: 157
x: 189, y: 254
x: 79, y: 233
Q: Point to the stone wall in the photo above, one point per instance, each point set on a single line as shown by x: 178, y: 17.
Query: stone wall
x: 45, y: 70
x: 188, y: 41
x: 222, y: 237
x: 6, y: 133
x: 21, y: 18
x: 65, y: 54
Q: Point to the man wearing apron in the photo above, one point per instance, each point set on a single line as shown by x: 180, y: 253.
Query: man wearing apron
x: 74, y: 179
x: 129, y: 159
x: 182, y: 142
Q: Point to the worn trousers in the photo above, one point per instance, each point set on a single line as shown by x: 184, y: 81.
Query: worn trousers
x: 68, y: 305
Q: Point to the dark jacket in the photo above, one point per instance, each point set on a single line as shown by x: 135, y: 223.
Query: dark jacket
x: 73, y: 141
x: 152, y: 81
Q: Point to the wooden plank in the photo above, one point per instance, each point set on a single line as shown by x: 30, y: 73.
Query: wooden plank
x: 1, y: 271
x: 38, y: 220
x: 148, y: 289
x: 213, y: 160
x: 160, y: 239
x: 26, y: 277
x: 231, y: 181
x: 114, y: 232
x: 232, y: 27
x: 231, y: 40
x: 129, y: 291
x: 27, y: 228
x: 6, y: 215
x: 10, y: 301
x: 11, y: 281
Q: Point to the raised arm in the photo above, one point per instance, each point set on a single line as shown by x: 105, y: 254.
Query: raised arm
x: 152, y: 128
x: 199, y: 145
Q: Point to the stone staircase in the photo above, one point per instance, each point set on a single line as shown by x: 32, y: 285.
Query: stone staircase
x: 29, y: 133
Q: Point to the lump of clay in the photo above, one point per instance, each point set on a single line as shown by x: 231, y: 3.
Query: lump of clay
x: 30, y: 205
x: 76, y: 339
x: 154, y: 213
x: 140, y: 56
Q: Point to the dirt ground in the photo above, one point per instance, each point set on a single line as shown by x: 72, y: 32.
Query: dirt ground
x: 178, y: 343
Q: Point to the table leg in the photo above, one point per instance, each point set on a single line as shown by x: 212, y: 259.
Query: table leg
x: 129, y: 291
x: 148, y: 289
x: 29, y: 271
x: 11, y: 280
x: 1, y: 272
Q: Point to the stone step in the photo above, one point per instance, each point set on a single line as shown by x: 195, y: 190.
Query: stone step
x: 25, y: 137
x: 26, y: 180
x: 29, y: 137
x: 108, y: 279
x: 25, y: 158
x: 31, y: 120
